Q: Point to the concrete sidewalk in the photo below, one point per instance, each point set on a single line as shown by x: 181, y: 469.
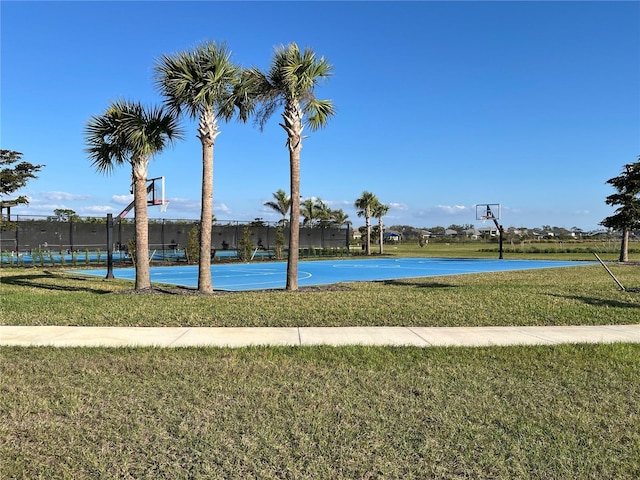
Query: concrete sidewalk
x: 60, y: 336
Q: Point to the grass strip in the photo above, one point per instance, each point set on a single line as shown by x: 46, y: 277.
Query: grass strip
x: 569, y: 411
x: 584, y: 295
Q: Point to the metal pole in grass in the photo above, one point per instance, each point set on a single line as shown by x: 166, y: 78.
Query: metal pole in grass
x: 609, y: 271
x: 109, y: 246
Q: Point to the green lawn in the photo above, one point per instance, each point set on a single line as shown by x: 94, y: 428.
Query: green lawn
x: 584, y: 295
x: 568, y: 411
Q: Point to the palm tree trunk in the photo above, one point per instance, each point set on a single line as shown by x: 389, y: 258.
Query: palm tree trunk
x: 293, y: 126
x: 368, y: 224
x: 139, y: 174
x: 381, y: 239
x: 207, y: 133
x: 294, y: 224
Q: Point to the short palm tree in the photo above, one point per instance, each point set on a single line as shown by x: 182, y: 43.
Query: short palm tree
x: 290, y: 82
x: 204, y: 84
x: 379, y: 211
x: 129, y: 133
x: 365, y: 205
x: 339, y: 218
x: 308, y: 212
x: 324, y: 214
x: 281, y: 203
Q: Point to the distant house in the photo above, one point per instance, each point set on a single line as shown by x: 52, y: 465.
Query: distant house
x: 490, y: 231
x: 392, y: 236
x: 472, y: 233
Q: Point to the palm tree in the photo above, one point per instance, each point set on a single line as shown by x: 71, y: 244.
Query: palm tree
x: 339, y: 218
x: 365, y: 205
x: 308, y: 211
x: 281, y: 203
x: 379, y: 211
x: 128, y: 133
x: 204, y: 84
x: 324, y: 214
x: 290, y: 82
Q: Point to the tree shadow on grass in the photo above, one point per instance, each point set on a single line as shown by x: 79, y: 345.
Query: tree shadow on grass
x: 416, y: 283
x: 599, y: 302
x: 43, y: 280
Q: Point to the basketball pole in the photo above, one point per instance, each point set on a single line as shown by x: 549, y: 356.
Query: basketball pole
x: 501, y: 235
x: 489, y: 214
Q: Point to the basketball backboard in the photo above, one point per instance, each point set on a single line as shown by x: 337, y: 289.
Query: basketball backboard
x: 155, y: 196
x: 488, y: 211
x: 155, y: 191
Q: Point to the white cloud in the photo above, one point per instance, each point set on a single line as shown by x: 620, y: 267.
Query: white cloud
x: 335, y: 204
x: 184, y: 203
x: 454, y: 209
x: 221, y: 208
x: 95, y: 210
x: 63, y: 196
x: 122, y: 199
x: 398, y: 206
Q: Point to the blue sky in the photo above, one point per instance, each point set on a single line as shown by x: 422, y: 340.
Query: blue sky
x: 440, y: 105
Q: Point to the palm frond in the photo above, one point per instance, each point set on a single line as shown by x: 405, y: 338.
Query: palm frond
x: 192, y: 81
x: 128, y: 131
x: 292, y: 78
x: 318, y: 113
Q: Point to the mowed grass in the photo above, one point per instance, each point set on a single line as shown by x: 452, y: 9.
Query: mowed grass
x: 581, y: 295
x: 565, y: 411
x: 569, y: 412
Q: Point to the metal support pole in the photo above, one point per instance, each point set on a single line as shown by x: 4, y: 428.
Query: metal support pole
x: 609, y: 272
x: 109, y: 246
x: 500, y: 232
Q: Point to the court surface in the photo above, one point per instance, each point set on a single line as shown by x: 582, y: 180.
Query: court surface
x: 272, y: 275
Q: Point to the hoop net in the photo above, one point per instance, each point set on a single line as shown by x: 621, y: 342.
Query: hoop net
x: 163, y: 204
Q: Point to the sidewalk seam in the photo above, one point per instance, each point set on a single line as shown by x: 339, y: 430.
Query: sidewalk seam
x: 547, y: 340
x: 420, y: 336
x: 188, y: 329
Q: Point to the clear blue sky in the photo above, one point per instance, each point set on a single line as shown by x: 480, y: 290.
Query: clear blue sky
x: 440, y: 105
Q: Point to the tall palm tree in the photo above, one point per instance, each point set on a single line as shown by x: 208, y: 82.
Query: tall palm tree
x: 204, y: 84
x: 379, y: 211
x: 281, y: 203
x: 365, y: 205
x: 129, y: 133
x: 290, y: 82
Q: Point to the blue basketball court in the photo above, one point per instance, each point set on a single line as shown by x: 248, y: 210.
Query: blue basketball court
x: 272, y: 275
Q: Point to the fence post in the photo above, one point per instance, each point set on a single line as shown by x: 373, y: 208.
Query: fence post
x: 109, y: 246
x: 17, y: 228
x: 164, y: 256
x: 71, y: 234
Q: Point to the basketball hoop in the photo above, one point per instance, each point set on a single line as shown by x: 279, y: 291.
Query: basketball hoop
x: 488, y: 211
x: 491, y: 211
x: 164, y: 205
